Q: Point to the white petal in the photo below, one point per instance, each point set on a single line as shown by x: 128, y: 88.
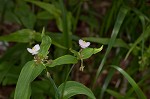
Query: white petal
x: 36, y: 47
x: 35, y: 52
x: 30, y: 50
x: 83, y: 46
x: 88, y: 44
x: 81, y: 42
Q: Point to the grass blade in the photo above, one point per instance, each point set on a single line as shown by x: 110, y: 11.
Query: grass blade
x: 122, y: 13
x: 66, y: 34
x: 106, y: 83
x: 136, y: 88
x: 115, y: 94
x: 105, y: 41
x: 47, y: 6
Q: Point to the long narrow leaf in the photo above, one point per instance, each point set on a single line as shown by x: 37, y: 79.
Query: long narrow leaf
x: 122, y: 13
x: 105, y: 41
x: 115, y: 94
x: 48, y: 7
x: 107, y: 80
x: 65, y: 23
x: 136, y: 88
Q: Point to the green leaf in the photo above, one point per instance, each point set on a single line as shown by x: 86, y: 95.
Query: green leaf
x: 56, y: 39
x: 60, y: 23
x: 73, y: 88
x: 58, y: 45
x: 75, y: 53
x: 49, y: 7
x: 115, y: 94
x: 66, y: 26
x: 44, y: 47
x: 7, y: 12
x: 28, y: 73
x: 107, y: 81
x: 105, y: 41
x: 90, y: 20
x: 88, y: 52
x: 144, y: 35
x: 25, y: 15
x: 66, y: 59
x: 136, y: 88
x: 44, y: 15
x: 22, y: 36
x: 4, y: 68
x: 120, y: 18
x: 141, y: 16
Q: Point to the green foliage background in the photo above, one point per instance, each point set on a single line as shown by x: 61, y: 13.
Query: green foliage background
x: 120, y: 70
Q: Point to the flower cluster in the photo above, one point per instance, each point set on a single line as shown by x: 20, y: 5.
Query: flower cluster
x: 36, y: 49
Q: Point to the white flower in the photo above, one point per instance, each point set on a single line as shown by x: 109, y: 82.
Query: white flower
x: 34, y: 50
x: 83, y: 44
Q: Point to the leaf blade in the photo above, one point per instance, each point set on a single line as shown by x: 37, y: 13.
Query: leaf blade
x: 21, y: 36
x: 88, y: 52
x: 136, y: 88
x: 66, y: 59
x: 73, y: 88
x: 45, y: 45
x: 28, y: 73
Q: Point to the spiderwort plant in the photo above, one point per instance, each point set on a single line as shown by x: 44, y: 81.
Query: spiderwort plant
x: 32, y: 68
x: 41, y: 62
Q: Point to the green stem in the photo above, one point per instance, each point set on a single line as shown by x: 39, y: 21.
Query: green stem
x: 53, y: 83
x: 62, y: 93
x: 55, y: 87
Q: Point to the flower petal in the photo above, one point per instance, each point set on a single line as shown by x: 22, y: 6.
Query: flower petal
x: 35, y: 52
x: 83, y: 44
x: 36, y: 47
x: 30, y: 50
x: 87, y: 44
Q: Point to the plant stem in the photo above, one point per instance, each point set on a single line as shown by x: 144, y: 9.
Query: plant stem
x: 66, y: 81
